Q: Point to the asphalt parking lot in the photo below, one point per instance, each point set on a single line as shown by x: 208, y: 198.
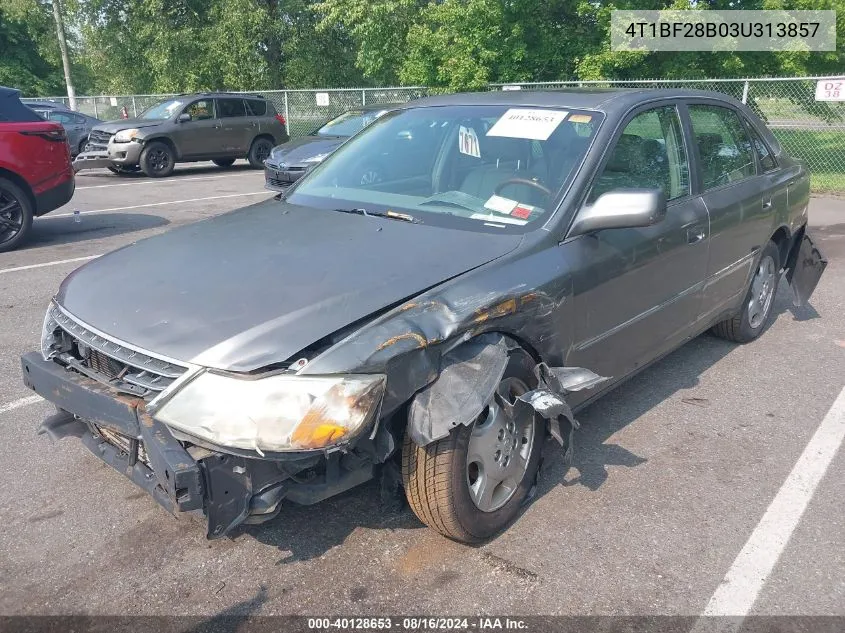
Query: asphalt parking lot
x: 672, y: 483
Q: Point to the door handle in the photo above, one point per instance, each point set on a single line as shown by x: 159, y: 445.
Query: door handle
x: 767, y: 204
x: 695, y: 235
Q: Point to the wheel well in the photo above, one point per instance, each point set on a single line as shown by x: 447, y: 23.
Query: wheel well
x: 20, y: 182
x: 166, y: 141
x: 269, y: 137
x: 781, y: 240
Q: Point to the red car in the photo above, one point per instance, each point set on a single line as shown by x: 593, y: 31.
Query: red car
x: 36, y: 175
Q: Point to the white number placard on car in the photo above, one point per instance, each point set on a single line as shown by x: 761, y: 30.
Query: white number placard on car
x: 527, y: 123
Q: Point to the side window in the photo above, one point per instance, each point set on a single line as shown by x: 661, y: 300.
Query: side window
x: 767, y: 161
x: 201, y: 110
x: 723, y: 145
x: 229, y: 108
x: 650, y: 154
x: 255, y: 107
x: 61, y: 117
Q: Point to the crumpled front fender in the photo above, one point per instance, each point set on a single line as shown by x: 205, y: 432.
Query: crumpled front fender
x: 467, y: 383
x: 805, y: 266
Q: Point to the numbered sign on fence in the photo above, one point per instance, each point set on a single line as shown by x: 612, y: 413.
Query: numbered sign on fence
x: 322, y: 98
x: 830, y: 90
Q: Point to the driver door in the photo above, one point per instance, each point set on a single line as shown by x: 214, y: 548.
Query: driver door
x: 201, y: 136
x: 637, y: 291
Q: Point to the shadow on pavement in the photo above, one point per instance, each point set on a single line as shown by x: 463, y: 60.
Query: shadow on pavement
x: 48, y: 231
x: 104, y: 176
x: 305, y: 532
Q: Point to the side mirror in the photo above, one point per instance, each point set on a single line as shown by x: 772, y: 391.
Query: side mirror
x: 621, y: 209
x: 183, y: 117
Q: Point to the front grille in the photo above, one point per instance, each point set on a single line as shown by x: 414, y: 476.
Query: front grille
x: 100, y: 137
x: 115, y: 364
x: 103, y: 364
x: 98, y: 140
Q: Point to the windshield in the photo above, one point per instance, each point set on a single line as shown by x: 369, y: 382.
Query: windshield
x: 163, y: 110
x: 474, y: 166
x: 350, y: 123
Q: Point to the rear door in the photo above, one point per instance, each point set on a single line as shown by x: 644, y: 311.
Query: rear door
x: 738, y: 199
x: 238, y: 128
x: 637, y: 290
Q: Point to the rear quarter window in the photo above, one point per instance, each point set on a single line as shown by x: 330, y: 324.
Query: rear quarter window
x: 256, y: 107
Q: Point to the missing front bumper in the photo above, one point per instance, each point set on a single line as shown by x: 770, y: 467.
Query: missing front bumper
x: 227, y: 489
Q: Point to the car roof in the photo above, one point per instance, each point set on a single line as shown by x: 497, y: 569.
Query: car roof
x: 607, y: 100
x: 51, y: 105
x: 243, y: 95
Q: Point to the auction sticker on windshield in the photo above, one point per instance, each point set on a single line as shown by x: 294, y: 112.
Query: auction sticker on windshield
x: 468, y: 142
x: 532, y: 124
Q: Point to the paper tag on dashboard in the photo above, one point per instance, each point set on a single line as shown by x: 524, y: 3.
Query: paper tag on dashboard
x: 527, y: 123
x: 500, y: 204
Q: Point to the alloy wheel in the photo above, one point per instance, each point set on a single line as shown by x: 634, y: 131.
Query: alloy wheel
x: 762, y: 292
x: 11, y: 216
x: 499, y: 450
x: 159, y: 160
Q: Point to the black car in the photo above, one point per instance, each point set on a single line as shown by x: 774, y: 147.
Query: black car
x: 220, y: 127
x: 289, y: 161
x: 522, y: 254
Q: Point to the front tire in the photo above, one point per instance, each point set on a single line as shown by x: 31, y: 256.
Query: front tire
x: 15, y: 215
x: 259, y: 151
x: 470, y: 485
x: 756, y: 309
x: 157, y: 160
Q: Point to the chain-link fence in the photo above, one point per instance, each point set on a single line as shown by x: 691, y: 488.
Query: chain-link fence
x: 304, y: 110
x: 811, y: 130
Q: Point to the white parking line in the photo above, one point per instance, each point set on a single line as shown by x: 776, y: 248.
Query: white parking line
x: 21, y: 402
x: 155, y: 181
x: 750, y: 571
x: 159, y: 204
x: 55, y: 263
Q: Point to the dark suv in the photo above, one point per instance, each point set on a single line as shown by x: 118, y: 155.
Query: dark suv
x: 220, y: 127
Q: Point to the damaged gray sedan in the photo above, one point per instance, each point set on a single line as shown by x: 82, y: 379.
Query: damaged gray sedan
x: 520, y: 255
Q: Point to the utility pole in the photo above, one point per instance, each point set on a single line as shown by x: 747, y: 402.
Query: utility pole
x: 60, y: 32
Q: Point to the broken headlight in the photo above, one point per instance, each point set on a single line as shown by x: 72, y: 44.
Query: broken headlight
x: 278, y: 413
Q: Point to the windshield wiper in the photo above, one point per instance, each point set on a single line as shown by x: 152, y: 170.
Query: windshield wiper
x: 390, y: 215
x: 456, y: 199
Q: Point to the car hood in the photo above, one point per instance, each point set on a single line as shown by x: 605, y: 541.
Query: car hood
x: 124, y: 124
x: 296, y: 152
x: 251, y: 288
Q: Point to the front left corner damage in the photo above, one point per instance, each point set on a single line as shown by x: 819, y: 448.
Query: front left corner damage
x: 467, y: 383
x: 468, y: 377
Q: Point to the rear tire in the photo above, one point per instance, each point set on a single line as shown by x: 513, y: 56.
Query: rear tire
x: 15, y: 215
x: 443, y: 480
x: 223, y: 162
x: 157, y: 160
x: 259, y: 152
x: 756, y: 309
